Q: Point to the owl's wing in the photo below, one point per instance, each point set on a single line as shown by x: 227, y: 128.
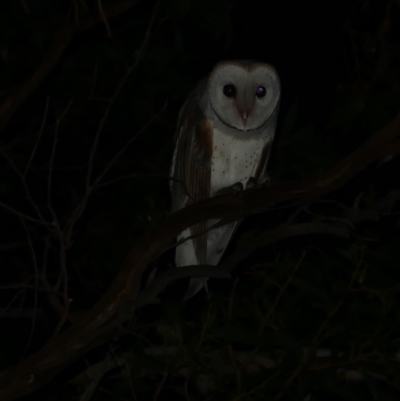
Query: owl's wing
x: 191, y: 166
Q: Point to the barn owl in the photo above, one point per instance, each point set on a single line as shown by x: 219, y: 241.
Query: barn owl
x: 223, y: 140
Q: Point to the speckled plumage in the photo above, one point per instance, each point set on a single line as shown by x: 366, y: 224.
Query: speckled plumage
x: 221, y: 141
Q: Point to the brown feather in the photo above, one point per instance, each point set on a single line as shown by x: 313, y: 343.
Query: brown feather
x: 192, y: 172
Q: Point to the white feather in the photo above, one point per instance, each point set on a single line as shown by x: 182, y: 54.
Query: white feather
x: 235, y: 160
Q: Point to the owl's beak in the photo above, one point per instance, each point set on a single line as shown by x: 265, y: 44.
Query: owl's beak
x: 244, y: 105
x: 244, y: 115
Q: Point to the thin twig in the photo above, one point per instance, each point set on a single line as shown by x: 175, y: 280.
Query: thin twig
x: 51, y: 164
x: 26, y: 189
x: 115, y: 95
x: 28, y: 164
x: 281, y: 291
x: 63, y: 276
x: 128, y: 143
x: 13, y: 299
x: 160, y: 386
x: 56, y: 223
x: 35, y: 297
x: 130, y: 380
x: 23, y: 215
x: 52, y: 292
x: 103, y: 17
x: 93, y: 90
x: 28, y: 286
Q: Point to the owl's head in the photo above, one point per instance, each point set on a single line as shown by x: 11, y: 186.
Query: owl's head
x: 243, y: 94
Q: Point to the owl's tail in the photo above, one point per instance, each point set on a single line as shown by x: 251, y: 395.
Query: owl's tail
x: 195, y: 286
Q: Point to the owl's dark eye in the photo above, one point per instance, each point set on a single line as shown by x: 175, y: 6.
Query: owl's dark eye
x: 261, y: 91
x: 229, y: 90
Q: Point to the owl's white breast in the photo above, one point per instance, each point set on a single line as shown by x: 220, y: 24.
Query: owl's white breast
x: 234, y: 159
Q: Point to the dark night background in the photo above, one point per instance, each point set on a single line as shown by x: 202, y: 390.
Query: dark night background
x: 75, y: 70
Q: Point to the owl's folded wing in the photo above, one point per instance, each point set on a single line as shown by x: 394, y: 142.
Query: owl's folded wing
x: 191, y: 167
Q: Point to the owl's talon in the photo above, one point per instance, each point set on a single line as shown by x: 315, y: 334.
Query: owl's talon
x: 264, y: 180
x: 261, y: 182
x: 251, y: 183
x: 235, y: 188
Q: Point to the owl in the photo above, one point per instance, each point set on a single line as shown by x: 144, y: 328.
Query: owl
x: 223, y: 140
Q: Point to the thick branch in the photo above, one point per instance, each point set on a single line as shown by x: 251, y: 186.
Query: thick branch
x: 118, y: 305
